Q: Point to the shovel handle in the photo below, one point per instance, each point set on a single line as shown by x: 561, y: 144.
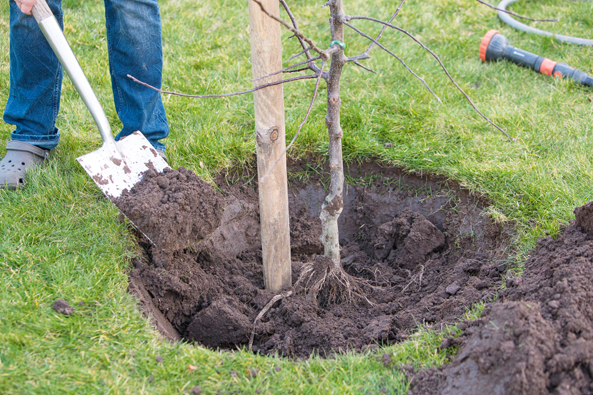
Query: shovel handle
x: 56, y: 39
x: 41, y: 11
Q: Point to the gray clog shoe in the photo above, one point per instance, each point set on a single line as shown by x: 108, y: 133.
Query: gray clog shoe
x: 19, y: 158
x: 163, y: 155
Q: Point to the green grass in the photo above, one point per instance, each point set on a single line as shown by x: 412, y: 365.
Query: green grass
x: 60, y: 237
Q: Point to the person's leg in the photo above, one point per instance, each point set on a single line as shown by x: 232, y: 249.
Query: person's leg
x: 135, y: 47
x: 35, y: 81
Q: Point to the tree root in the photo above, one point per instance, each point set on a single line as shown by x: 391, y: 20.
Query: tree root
x: 326, y: 281
x: 263, y: 312
x: 323, y: 280
x: 416, y: 278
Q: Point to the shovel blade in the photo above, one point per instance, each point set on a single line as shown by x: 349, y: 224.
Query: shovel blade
x: 115, y: 170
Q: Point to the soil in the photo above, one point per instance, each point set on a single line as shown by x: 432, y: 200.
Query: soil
x: 62, y: 307
x: 425, y: 248
x: 537, y: 338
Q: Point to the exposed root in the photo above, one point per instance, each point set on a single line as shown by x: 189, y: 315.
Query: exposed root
x: 326, y: 281
x: 266, y: 308
x: 417, y: 278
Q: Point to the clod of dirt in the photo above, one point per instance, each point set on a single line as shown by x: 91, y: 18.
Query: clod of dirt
x: 197, y: 390
x: 409, y: 247
x: 158, y: 359
x: 408, y: 240
x: 584, y: 218
x: 220, y: 324
x: 62, y: 307
x: 453, y: 288
x: 538, y: 337
x: 177, y: 208
x: 386, y: 359
x: 253, y: 372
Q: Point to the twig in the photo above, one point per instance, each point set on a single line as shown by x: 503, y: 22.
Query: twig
x: 302, y: 77
x: 264, y: 311
x: 366, y: 68
x: 517, y: 15
x: 296, y: 26
x: 297, y: 70
x: 292, y: 29
x: 437, y: 59
x: 288, y: 68
x: 299, y: 54
x: 385, y: 27
x: 395, y: 56
x: 300, y: 126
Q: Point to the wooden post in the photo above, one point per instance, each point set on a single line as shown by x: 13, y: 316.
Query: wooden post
x: 266, y: 58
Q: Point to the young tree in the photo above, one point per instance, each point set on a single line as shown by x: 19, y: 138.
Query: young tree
x: 326, y: 275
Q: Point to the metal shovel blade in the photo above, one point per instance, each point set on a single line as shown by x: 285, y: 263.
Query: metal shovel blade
x: 120, y: 167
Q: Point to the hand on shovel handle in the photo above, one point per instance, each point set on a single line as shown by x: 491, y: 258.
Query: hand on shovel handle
x: 26, y: 5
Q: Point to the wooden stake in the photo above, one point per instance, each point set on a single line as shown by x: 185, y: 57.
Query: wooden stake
x: 266, y: 58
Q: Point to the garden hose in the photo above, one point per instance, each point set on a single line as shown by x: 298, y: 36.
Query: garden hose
x: 509, y: 20
x: 495, y: 46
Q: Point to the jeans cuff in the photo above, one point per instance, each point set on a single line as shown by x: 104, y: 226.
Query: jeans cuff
x: 158, y: 145
x: 46, y: 142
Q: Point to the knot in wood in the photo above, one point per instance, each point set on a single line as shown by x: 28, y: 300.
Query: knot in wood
x: 334, y: 100
x: 268, y: 136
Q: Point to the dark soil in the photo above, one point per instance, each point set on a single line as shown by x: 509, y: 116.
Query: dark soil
x: 428, y: 252
x: 537, y: 338
x: 62, y: 307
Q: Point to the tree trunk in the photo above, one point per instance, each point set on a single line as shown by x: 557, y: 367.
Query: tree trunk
x: 266, y: 58
x: 334, y: 202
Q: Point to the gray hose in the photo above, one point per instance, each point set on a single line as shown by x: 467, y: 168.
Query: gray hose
x: 509, y: 20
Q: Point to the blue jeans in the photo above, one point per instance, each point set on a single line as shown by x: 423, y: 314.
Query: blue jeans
x: 135, y: 47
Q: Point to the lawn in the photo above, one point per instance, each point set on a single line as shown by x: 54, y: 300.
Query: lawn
x: 60, y: 237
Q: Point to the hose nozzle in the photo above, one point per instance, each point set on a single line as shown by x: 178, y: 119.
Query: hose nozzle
x: 495, y: 47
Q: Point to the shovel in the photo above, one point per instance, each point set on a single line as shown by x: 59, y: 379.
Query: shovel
x: 115, y: 166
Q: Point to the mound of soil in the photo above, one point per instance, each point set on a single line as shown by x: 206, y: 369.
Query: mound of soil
x: 426, y: 254
x: 537, y: 338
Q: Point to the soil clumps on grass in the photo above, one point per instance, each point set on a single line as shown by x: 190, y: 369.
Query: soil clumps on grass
x: 537, y: 338
x: 62, y: 307
x: 427, y: 254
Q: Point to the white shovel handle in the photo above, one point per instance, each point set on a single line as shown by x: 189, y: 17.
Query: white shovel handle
x: 54, y: 35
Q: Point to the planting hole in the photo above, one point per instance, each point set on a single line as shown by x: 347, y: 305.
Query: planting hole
x: 424, y: 251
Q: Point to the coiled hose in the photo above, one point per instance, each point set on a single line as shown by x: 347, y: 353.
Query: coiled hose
x: 509, y: 20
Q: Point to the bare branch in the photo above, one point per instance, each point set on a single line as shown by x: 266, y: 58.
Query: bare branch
x: 299, y: 54
x: 292, y: 29
x: 288, y: 68
x: 517, y: 15
x: 300, y: 126
x: 297, y: 70
x: 395, y: 56
x: 296, y: 26
x: 303, y: 77
x: 437, y: 59
x: 366, y: 68
x: 385, y: 27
